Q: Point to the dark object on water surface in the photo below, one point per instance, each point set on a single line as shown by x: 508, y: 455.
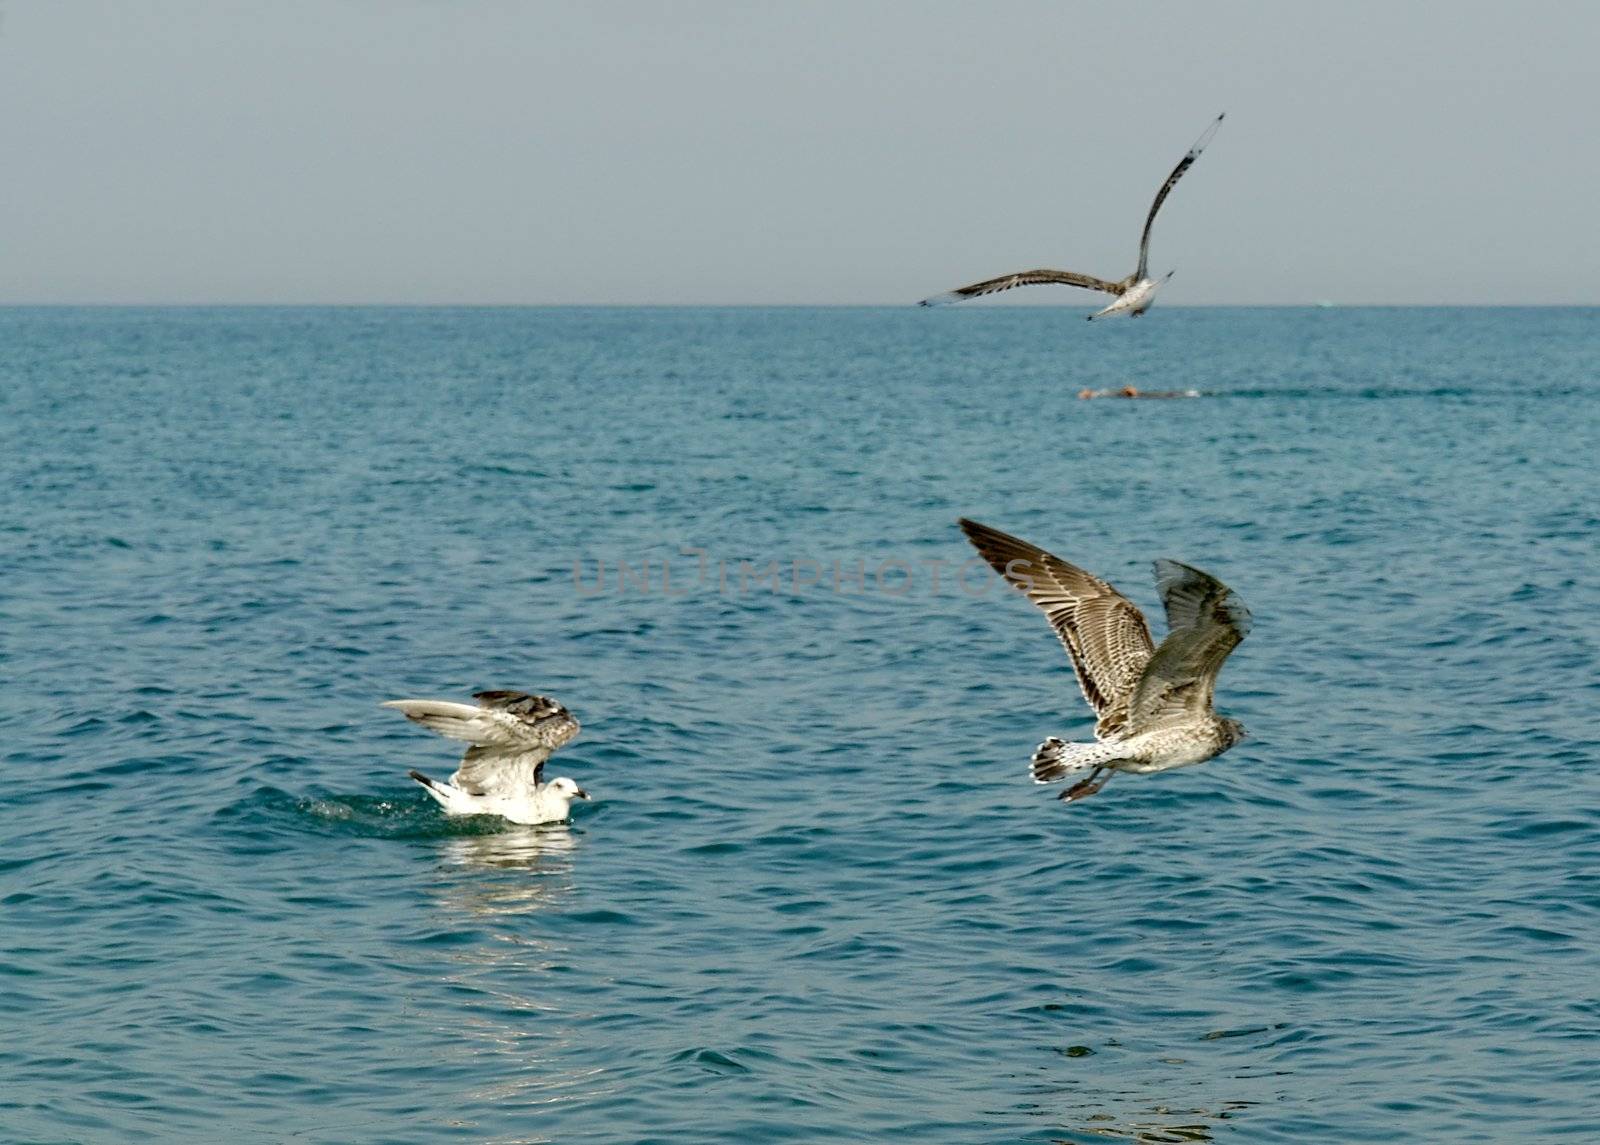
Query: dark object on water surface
x: 1131, y: 392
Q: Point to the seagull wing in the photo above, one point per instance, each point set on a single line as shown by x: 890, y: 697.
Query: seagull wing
x: 511, y: 733
x: 1025, y: 278
x: 1104, y: 633
x: 1208, y: 620
x: 539, y: 718
x: 1166, y: 189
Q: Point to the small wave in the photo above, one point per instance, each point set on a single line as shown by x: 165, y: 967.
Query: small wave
x: 1377, y: 393
x: 503, y: 471
x: 400, y: 816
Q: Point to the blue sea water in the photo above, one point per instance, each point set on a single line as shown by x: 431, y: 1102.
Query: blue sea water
x: 816, y: 897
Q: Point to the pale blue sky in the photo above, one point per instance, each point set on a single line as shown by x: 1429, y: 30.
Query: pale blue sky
x: 451, y: 151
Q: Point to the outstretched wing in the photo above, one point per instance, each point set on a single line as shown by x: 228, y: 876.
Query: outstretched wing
x: 1104, y: 633
x: 511, y: 733
x: 538, y: 718
x: 1166, y: 189
x: 1207, y: 621
x: 1024, y: 278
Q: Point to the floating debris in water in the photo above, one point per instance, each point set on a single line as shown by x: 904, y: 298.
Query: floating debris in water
x: 1133, y: 392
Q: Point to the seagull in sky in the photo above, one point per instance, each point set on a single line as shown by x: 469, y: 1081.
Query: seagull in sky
x: 1134, y: 294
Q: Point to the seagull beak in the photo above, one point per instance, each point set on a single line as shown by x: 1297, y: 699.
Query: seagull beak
x: 581, y: 793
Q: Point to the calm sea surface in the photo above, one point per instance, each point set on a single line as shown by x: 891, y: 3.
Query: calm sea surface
x: 815, y: 898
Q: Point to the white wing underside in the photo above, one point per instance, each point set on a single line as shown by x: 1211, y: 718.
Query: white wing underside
x: 491, y: 772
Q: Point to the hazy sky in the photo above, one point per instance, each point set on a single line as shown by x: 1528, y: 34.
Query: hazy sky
x: 483, y: 151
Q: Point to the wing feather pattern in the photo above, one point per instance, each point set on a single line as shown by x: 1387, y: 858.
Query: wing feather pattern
x: 1025, y: 278
x: 1166, y: 189
x: 1207, y: 620
x: 1104, y: 633
x: 511, y: 735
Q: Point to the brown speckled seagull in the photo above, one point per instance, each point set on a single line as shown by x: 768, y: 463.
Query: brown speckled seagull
x: 1134, y: 294
x: 1153, y: 703
x: 502, y: 773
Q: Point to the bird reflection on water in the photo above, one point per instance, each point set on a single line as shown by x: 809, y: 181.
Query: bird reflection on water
x: 534, y: 865
x: 540, y: 849
x: 505, y: 1017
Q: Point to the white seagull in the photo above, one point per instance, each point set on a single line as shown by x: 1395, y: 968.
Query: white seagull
x: 502, y: 773
x: 1133, y: 294
x: 1153, y: 702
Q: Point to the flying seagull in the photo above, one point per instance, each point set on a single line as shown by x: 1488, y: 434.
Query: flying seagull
x: 1153, y: 703
x: 1133, y: 294
x: 511, y: 735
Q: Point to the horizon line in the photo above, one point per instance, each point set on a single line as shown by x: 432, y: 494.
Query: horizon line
x: 1067, y: 307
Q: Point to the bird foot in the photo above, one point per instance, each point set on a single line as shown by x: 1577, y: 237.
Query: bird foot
x: 1082, y: 790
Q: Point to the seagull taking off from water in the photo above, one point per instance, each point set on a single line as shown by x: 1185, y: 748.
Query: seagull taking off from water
x: 1153, y: 703
x: 1133, y: 294
x: 502, y: 773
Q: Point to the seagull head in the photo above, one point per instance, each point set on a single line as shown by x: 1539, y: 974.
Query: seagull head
x: 568, y: 789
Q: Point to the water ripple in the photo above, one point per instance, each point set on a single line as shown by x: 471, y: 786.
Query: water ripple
x: 815, y: 897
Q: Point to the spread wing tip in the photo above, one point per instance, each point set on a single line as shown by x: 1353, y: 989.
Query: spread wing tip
x: 1176, y: 577
x: 980, y: 534
x: 1206, y: 136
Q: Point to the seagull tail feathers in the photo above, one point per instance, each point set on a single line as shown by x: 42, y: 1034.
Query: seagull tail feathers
x: 433, y: 788
x: 1055, y: 760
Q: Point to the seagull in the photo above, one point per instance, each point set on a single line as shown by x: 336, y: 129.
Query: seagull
x: 502, y: 773
x: 1153, y: 702
x: 1133, y: 294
